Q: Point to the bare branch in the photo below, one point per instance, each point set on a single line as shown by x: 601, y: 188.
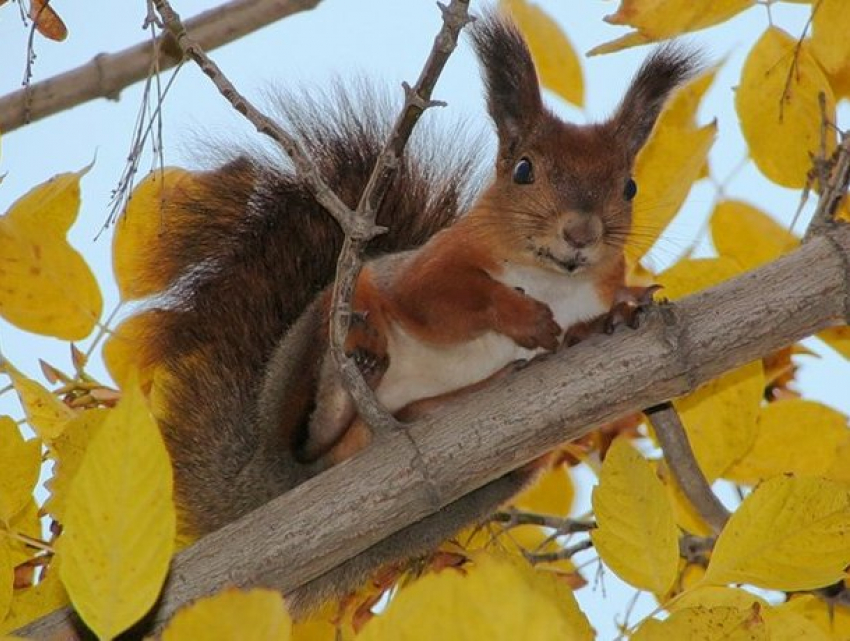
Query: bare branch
x: 680, y: 458
x: 107, y: 74
x: 417, y: 100
x: 834, y: 178
x: 561, y: 525
x: 392, y: 488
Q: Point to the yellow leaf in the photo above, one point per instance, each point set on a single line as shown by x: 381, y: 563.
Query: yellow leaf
x: 706, y: 624
x: 140, y: 227
x: 831, y: 620
x: 721, y: 417
x: 46, y: 414
x: 45, y: 285
x: 777, y: 103
x: 121, y: 351
x: 7, y: 576
x: 784, y: 624
x: 494, y: 600
x: 790, y: 534
x: 552, y: 493
x: 838, y: 338
x: 68, y: 450
x: 662, y: 19
x: 748, y: 235
x: 672, y: 160
x: 796, y: 436
x: 120, y: 521
x: 28, y: 523
x: 31, y: 603
x: 253, y: 615
x: 830, y: 26
x: 712, y: 597
x: 20, y: 464
x: 691, y: 275
x: 554, y: 56
x: 636, y: 534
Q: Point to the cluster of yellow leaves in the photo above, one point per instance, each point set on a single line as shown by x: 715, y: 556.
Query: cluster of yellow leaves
x: 791, y: 534
x: 778, y: 97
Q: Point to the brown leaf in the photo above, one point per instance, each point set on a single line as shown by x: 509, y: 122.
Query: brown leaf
x: 47, y: 21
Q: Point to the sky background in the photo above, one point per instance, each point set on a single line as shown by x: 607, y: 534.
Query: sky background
x: 387, y: 40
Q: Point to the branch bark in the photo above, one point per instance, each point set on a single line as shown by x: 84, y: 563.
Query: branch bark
x: 417, y: 471
x: 107, y: 74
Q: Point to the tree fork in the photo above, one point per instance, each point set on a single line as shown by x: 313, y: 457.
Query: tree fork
x: 415, y: 472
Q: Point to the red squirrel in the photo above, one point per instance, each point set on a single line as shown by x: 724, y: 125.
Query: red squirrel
x: 248, y: 399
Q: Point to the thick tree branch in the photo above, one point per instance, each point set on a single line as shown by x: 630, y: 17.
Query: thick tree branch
x: 342, y: 512
x: 107, y: 74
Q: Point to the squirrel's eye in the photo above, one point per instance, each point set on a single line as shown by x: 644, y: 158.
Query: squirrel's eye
x: 523, y: 172
x: 630, y: 190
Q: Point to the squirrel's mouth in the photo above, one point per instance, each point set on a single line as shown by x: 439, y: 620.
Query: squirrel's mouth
x: 570, y: 264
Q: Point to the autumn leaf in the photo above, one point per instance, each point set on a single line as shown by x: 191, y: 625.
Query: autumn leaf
x: 790, y: 534
x: 636, y: 534
x: 668, y: 165
x: 45, y: 285
x: 31, y: 603
x: 47, y: 21
x: 829, y: 44
x: 554, y: 55
x: 777, y: 103
x: 46, y: 414
x: 552, y: 493
x: 7, y: 577
x: 833, y: 622
x: 139, y: 228
x: 661, y: 19
x: 838, y: 338
x: 494, y: 599
x: 252, y: 615
x: 120, y: 521
x: 20, y: 464
x: 798, y: 436
x: 748, y: 235
x: 721, y: 623
x: 68, y: 450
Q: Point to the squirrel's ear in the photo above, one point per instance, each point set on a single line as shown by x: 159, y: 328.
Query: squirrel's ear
x: 668, y: 67
x: 513, y: 92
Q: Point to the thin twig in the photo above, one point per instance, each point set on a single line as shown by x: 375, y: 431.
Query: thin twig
x: 514, y: 518
x: 833, y: 176
x: 680, y: 457
x: 565, y: 553
x: 107, y: 74
x: 304, y: 166
x: 417, y: 100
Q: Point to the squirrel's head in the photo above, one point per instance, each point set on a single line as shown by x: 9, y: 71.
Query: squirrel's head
x: 565, y: 190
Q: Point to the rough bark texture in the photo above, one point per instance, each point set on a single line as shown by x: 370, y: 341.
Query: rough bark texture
x: 107, y: 74
x: 415, y: 472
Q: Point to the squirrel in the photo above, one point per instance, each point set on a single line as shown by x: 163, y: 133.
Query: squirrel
x: 460, y: 288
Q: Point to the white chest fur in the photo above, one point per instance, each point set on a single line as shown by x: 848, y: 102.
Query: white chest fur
x: 421, y: 370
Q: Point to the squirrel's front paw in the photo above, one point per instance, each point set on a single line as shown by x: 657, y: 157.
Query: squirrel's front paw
x: 535, y: 327
x: 629, y: 304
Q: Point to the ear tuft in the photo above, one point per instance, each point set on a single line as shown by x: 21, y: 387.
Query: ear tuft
x: 669, y: 66
x: 513, y: 92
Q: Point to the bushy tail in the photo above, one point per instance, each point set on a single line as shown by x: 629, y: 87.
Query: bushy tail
x: 244, y: 253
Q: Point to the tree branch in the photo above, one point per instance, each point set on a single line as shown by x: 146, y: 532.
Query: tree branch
x: 683, y: 464
x: 107, y: 74
x: 411, y: 475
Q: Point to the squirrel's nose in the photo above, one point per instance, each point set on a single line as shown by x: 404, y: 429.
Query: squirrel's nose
x: 583, y: 232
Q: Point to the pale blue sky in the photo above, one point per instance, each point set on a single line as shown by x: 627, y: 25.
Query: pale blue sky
x: 384, y: 39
